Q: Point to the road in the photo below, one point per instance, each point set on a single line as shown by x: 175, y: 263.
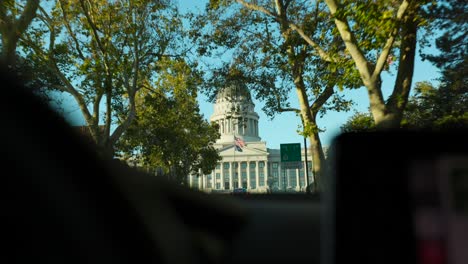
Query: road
x: 279, y: 231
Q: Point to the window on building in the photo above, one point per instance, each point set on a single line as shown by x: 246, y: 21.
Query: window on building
x: 226, y: 165
x: 253, y: 175
x: 292, y: 178
x: 275, y: 165
x: 275, y: 174
x: 208, y: 180
x: 218, y: 185
x: 261, y: 164
x: 302, y: 182
x: 253, y: 184
x: 244, y: 165
x: 218, y: 166
x: 218, y: 175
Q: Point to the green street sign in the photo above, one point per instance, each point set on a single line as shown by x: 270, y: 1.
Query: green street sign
x: 290, y: 152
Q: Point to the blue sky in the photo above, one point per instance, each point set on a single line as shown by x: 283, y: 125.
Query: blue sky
x: 283, y: 128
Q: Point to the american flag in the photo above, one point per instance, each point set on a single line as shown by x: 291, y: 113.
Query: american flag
x: 239, y: 143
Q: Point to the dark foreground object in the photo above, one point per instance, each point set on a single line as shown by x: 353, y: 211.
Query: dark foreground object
x: 66, y: 204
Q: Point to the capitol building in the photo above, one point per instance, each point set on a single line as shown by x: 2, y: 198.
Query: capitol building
x: 249, y: 163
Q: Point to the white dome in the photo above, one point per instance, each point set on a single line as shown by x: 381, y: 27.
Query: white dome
x: 235, y: 114
x: 236, y: 92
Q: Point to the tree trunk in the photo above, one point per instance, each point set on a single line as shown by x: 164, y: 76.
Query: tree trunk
x: 310, y: 126
x: 9, y: 50
x: 397, y: 102
x: 12, y: 28
x: 386, y: 115
x: 318, y: 159
x: 297, y: 62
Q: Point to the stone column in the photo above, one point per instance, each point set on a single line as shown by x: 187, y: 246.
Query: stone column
x: 200, y: 187
x: 298, y: 183
x: 248, y: 175
x: 256, y: 174
x: 256, y: 128
x: 231, y: 179
x: 239, y: 175
x: 190, y: 180
x: 222, y: 176
x: 280, y: 176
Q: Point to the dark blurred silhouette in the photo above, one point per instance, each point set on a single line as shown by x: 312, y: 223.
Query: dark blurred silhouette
x: 65, y: 204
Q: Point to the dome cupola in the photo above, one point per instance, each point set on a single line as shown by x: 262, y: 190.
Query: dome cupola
x: 235, y: 114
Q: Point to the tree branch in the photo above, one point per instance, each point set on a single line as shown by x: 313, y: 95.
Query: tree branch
x: 389, y: 43
x: 70, y: 31
x: 68, y: 86
x: 281, y: 18
x: 136, y: 65
x: 96, y: 104
x: 124, y: 126
x: 281, y: 109
x: 321, y: 52
x: 95, y: 34
x: 279, y: 8
x: 399, y: 96
x: 289, y: 110
x: 322, y: 99
x: 5, y: 21
x: 27, y: 16
x: 258, y: 8
x: 351, y: 43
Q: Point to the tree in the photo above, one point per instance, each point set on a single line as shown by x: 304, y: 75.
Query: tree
x: 449, y: 18
x: 359, y: 122
x: 445, y: 106
x: 15, y: 18
x: 104, y: 50
x: 430, y: 108
x: 169, y: 132
x: 369, y: 29
x: 272, y: 59
x: 437, y: 108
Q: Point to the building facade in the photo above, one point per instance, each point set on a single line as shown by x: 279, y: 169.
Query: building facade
x: 250, y: 164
